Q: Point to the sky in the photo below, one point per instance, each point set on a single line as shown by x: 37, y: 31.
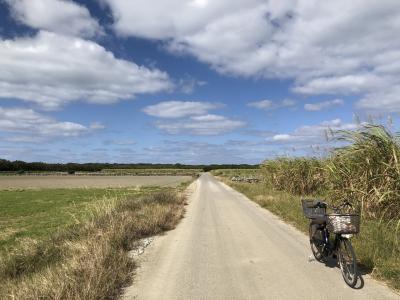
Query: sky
x: 196, y: 81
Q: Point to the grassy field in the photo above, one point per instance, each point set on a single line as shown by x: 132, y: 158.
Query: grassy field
x: 84, y: 235
x: 75, y: 181
x: 38, y: 213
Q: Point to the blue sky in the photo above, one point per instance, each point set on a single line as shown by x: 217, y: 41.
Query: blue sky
x: 192, y: 81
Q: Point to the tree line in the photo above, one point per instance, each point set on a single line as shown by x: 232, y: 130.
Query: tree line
x: 21, y: 166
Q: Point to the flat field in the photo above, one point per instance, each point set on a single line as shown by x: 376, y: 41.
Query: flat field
x: 36, y: 213
x: 72, y: 181
x: 83, y: 234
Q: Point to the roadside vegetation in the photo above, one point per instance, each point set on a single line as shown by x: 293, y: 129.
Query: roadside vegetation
x: 366, y: 172
x: 235, y: 172
x: 75, y: 244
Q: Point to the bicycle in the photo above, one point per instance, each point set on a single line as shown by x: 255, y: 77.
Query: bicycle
x: 343, y: 225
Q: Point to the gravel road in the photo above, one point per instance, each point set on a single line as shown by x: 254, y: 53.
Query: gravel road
x: 227, y: 247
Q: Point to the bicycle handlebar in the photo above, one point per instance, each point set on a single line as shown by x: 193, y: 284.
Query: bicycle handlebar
x: 321, y: 204
x: 338, y: 208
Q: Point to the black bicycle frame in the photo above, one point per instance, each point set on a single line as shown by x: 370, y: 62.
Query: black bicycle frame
x: 329, y: 248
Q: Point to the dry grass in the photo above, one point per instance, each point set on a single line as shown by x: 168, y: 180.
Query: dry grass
x: 367, y: 172
x: 89, y: 261
x: 235, y: 172
x: 298, y: 175
x: 90, y: 181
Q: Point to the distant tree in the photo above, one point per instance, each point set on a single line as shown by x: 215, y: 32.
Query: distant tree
x: 18, y: 165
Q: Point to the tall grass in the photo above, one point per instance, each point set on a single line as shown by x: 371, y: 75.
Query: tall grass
x: 295, y: 175
x: 88, y: 261
x: 366, y: 172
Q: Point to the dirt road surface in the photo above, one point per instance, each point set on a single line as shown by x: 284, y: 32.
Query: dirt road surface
x: 227, y: 247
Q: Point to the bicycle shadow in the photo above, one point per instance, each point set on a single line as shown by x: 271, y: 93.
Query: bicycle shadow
x: 331, y: 262
x: 363, y: 270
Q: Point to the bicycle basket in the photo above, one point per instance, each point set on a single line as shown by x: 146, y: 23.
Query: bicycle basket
x: 310, y: 211
x: 343, y: 223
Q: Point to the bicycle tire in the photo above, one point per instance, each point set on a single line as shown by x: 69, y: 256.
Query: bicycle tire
x: 317, y: 243
x: 348, y: 262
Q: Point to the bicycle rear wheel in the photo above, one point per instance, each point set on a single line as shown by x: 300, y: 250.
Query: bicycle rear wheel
x: 348, y: 262
x: 317, y: 242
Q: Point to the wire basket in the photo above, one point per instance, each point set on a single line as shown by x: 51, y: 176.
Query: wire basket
x: 310, y: 211
x: 343, y: 223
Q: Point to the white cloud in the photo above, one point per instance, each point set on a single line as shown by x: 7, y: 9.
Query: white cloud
x: 179, y: 109
x: 193, y: 118
x: 120, y: 142
x: 188, y: 84
x: 282, y: 137
x: 341, y: 84
x: 381, y: 100
x: 323, y: 105
x: 311, y: 134
x: 202, y: 152
x: 26, y: 125
x: 208, y: 118
x: 263, y: 104
x: 62, y: 16
x: 335, y: 47
x: 201, y: 125
x: 51, y: 70
x: 96, y: 125
x: 271, y: 105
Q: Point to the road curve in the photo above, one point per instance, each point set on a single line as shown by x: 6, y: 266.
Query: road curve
x: 227, y: 247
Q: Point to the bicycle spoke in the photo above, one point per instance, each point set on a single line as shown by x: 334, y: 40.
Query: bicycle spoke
x: 348, y: 263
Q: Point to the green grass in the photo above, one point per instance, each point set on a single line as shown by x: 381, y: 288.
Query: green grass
x: 79, y: 248
x: 39, y: 213
x: 377, y: 245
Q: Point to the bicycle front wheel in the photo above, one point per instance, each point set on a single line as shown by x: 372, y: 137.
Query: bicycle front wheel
x: 317, y: 243
x: 348, y: 262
